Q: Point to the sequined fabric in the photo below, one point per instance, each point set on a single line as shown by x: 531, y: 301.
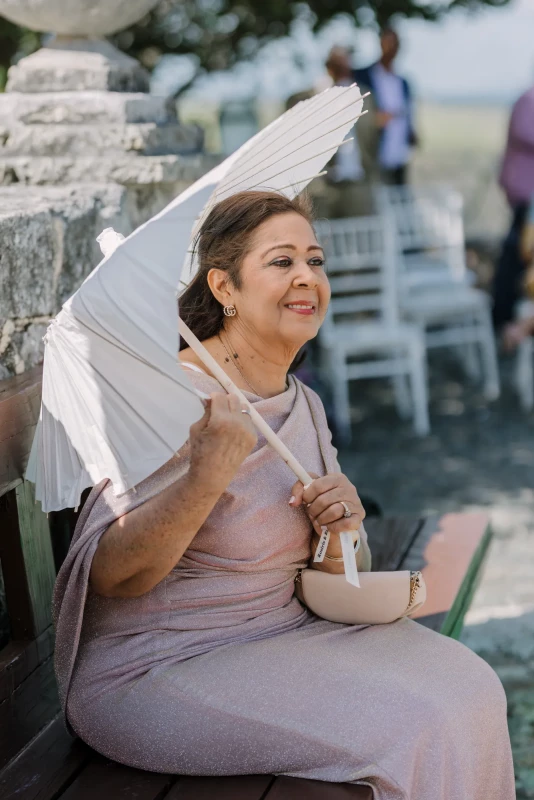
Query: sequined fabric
x: 219, y: 670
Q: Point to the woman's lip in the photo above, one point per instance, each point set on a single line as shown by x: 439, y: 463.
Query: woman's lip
x: 307, y: 311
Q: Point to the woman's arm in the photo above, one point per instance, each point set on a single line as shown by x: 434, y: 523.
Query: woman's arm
x: 140, y: 549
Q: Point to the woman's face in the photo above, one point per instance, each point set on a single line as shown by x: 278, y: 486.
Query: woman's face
x: 284, y: 290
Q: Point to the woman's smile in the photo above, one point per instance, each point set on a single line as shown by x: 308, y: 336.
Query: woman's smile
x: 303, y: 307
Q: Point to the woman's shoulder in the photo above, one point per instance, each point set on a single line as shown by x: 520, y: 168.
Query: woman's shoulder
x: 189, y: 358
x: 201, y: 379
x: 314, y: 400
x: 197, y: 372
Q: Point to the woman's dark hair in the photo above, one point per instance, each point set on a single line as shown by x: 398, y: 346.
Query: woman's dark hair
x: 222, y: 243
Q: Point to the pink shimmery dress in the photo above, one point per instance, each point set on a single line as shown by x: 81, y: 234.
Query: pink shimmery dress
x: 219, y: 670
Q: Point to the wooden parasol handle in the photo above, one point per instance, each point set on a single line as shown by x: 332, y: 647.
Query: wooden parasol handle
x: 349, y: 558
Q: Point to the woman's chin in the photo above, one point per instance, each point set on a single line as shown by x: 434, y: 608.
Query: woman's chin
x: 298, y: 338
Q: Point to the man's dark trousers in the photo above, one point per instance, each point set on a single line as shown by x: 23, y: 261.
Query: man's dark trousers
x: 507, y: 289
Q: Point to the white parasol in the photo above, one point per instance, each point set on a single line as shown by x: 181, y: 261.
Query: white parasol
x: 116, y: 403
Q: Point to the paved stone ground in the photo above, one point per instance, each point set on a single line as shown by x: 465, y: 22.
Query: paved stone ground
x: 478, y: 456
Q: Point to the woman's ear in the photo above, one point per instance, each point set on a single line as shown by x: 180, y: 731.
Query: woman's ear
x: 218, y: 283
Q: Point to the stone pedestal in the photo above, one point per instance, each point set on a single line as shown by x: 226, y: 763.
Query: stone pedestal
x: 76, y: 112
x: 82, y: 146
x: 78, y: 65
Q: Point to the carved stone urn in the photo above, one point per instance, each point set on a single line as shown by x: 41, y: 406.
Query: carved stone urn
x: 79, y: 18
x: 77, y: 57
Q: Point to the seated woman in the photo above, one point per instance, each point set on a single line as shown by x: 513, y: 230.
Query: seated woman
x: 181, y: 646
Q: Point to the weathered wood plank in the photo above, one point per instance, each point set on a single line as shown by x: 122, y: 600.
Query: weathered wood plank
x: 454, y: 621
x: 18, y: 597
x: 450, y: 551
x: 433, y: 621
x: 45, y: 767
x: 38, y: 556
x: 103, y: 779
x: 27, y: 562
x: 20, y: 401
x: 245, y: 787
x: 27, y: 711
x: 285, y: 788
x: 390, y: 539
x: 19, y: 659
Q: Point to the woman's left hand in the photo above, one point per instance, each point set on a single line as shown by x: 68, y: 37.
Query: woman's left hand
x: 322, y: 501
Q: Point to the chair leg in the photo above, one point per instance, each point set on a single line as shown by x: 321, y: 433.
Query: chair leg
x: 340, y: 391
x: 524, y: 374
x: 419, y: 389
x: 403, y: 400
x: 488, y: 348
x: 469, y: 355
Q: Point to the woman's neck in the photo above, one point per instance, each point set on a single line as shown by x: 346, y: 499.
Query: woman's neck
x: 254, y: 365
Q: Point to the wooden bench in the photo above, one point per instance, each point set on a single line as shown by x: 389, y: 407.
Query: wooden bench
x: 38, y: 759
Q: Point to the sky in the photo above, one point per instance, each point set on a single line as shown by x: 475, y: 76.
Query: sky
x: 486, y: 56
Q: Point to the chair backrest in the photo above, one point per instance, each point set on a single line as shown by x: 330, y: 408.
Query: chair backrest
x: 360, y: 264
x: 429, y: 227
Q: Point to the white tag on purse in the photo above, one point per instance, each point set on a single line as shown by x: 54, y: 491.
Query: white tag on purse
x: 322, y: 544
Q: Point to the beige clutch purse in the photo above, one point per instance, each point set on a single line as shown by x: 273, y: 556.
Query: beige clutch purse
x: 382, y: 597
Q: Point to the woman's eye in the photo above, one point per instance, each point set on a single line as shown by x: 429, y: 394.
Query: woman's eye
x: 317, y: 262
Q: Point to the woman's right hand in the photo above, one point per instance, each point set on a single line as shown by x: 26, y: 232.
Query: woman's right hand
x: 221, y: 440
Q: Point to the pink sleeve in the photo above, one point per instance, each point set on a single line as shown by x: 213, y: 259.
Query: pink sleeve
x: 522, y: 122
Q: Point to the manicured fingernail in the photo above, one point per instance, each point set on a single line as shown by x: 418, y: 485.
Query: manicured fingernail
x: 292, y: 500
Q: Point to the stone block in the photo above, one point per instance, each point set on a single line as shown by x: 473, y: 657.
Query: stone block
x: 125, y: 170
x: 55, y: 70
x: 83, y: 108
x: 26, y: 347
x: 29, y: 261
x: 48, y: 244
x: 146, y: 138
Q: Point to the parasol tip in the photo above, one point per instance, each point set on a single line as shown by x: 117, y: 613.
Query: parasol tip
x: 109, y: 240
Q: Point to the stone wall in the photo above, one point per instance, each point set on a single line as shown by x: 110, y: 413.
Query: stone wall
x: 47, y: 247
x: 83, y: 147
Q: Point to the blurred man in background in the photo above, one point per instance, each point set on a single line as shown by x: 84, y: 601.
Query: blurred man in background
x: 347, y: 189
x: 517, y: 180
x: 394, y: 116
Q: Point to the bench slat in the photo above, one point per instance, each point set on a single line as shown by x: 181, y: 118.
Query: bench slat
x: 245, y: 787
x: 102, y: 779
x: 390, y: 539
x: 450, y: 550
x: 44, y: 768
x: 20, y: 402
x: 28, y: 710
x: 285, y: 788
x: 19, y: 659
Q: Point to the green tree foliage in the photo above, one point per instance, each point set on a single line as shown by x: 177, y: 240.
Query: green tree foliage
x: 221, y: 32
x: 218, y: 33
x: 14, y: 41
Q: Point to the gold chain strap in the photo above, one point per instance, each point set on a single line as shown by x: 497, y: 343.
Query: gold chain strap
x: 415, y: 583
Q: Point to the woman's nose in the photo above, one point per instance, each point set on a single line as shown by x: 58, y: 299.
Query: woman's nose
x: 305, y: 277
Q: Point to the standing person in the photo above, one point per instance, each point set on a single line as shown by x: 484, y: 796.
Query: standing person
x: 353, y: 168
x: 393, y: 117
x: 517, y: 180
